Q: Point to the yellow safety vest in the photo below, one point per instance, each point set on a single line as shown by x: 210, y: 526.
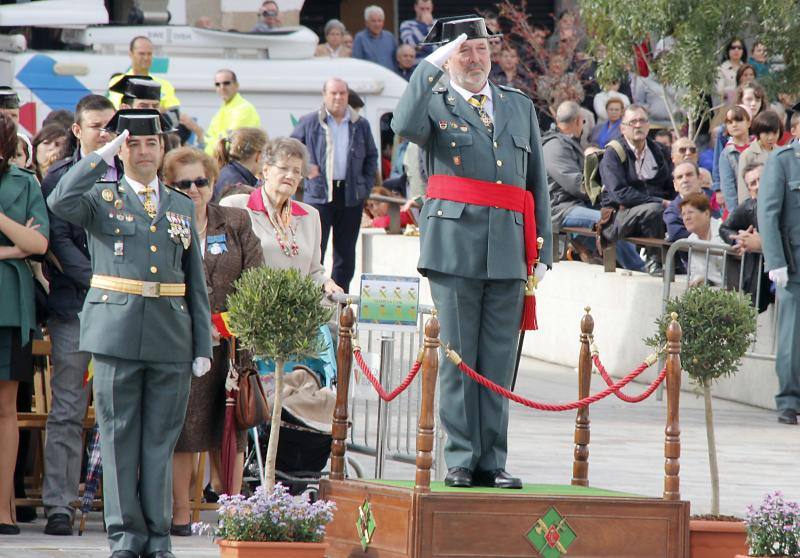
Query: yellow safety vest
x: 236, y: 113
x: 168, y: 97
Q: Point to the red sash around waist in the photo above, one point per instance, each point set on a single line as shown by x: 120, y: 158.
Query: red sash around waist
x: 503, y: 196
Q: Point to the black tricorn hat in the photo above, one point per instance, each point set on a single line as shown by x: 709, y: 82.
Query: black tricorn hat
x: 447, y: 29
x: 139, y: 122
x: 8, y: 98
x: 138, y: 87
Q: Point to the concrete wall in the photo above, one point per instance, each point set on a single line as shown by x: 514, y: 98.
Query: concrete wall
x: 624, y: 306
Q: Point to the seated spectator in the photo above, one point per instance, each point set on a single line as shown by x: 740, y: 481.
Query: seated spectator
x: 347, y: 41
x: 601, y: 100
x: 745, y: 74
x: 638, y: 186
x: 334, y: 46
x: 737, y: 126
x: 239, y: 158
x: 740, y: 230
x: 270, y: 17
x: 570, y: 204
x: 766, y: 129
x: 686, y: 180
x: 758, y: 60
x: 414, y: 31
x: 664, y: 137
x: 647, y: 92
x: 732, y: 58
x: 696, y: 215
x: 374, y: 43
x: 508, y: 71
x: 376, y: 213
x: 611, y: 128
x: 684, y: 149
x: 406, y: 61
x: 552, y: 87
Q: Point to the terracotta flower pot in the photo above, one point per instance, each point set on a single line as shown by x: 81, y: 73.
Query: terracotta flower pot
x: 717, y: 539
x: 241, y: 549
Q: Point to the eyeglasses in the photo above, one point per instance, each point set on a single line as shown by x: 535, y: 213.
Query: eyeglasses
x: 688, y: 149
x: 221, y: 83
x: 736, y: 47
x: 187, y: 184
x: 637, y: 122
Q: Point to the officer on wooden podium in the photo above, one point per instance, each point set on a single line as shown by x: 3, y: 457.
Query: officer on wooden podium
x: 146, y: 322
x: 487, y: 202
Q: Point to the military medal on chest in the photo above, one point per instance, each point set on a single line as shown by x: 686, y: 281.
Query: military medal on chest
x: 180, y: 229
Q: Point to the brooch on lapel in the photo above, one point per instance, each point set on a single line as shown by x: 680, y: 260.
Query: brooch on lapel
x: 217, y: 244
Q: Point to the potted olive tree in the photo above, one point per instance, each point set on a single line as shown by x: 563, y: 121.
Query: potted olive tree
x: 275, y: 314
x: 718, y: 327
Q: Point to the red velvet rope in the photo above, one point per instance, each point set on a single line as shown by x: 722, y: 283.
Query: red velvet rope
x: 629, y: 398
x: 586, y: 401
x: 382, y: 393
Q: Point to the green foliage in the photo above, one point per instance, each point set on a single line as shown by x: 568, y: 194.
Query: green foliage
x: 276, y: 313
x: 701, y: 28
x: 718, y: 327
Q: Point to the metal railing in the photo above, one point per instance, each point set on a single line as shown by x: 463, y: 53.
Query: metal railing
x: 384, y: 431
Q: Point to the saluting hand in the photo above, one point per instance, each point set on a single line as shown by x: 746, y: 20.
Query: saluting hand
x: 439, y: 56
x: 110, y: 150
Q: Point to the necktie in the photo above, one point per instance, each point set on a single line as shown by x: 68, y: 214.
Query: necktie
x: 478, y: 101
x: 149, y: 202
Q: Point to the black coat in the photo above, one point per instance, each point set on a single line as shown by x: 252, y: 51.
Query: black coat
x: 69, y: 285
x: 622, y: 186
x: 233, y: 173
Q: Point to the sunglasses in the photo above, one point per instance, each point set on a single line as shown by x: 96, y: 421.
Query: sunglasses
x: 221, y: 83
x: 187, y: 184
x: 683, y: 150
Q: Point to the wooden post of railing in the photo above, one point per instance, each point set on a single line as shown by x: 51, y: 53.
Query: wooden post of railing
x: 672, y: 433
x: 430, y: 369
x: 580, y: 463
x: 344, y: 362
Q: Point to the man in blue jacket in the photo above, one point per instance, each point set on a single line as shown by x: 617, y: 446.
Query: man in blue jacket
x: 69, y: 271
x: 344, y: 161
x: 639, y: 185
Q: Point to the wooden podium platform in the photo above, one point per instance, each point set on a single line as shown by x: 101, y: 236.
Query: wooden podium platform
x: 421, y: 519
x: 392, y: 521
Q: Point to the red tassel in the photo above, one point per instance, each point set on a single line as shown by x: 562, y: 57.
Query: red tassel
x: 529, y: 314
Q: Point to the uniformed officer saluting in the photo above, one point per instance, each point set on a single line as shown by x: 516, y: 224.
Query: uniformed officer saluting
x: 146, y: 322
x: 484, y: 159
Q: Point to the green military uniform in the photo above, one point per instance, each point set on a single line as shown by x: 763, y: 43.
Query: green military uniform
x: 474, y: 256
x: 143, y: 345
x: 779, y: 214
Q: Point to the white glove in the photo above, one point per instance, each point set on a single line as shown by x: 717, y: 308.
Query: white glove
x: 109, y: 150
x: 780, y: 276
x: 201, y: 365
x: 539, y: 271
x: 439, y: 56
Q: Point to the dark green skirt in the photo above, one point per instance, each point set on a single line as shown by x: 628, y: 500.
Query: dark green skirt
x: 16, y: 361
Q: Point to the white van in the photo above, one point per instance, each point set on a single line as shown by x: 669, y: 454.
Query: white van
x: 281, y: 89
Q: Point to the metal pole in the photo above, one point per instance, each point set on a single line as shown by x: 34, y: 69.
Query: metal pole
x: 387, y: 356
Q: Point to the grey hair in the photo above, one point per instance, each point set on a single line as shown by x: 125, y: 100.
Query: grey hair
x: 405, y: 46
x: 284, y: 148
x: 334, y: 79
x: 373, y: 9
x: 567, y: 112
x: 334, y: 24
x: 687, y: 162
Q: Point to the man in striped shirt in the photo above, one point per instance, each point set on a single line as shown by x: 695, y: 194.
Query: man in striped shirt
x: 413, y: 31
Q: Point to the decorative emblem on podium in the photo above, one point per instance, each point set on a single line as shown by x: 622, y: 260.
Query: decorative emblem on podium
x: 365, y: 524
x: 551, y: 536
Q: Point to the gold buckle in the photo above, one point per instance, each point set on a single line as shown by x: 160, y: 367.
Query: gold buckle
x: 151, y: 289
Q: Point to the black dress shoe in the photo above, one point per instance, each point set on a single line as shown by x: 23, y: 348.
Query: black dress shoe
x: 787, y: 416
x: 124, y: 554
x: 58, y: 524
x: 161, y: 554
x: 26, y: 514
x: 181, y: 530
x: 459, y: 477
x: 497, y: 478
x: 8, y: 529
x: 209, y: 495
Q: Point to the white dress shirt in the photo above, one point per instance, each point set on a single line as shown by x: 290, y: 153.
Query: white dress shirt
x: 488, y: 107
x: 138, y: 187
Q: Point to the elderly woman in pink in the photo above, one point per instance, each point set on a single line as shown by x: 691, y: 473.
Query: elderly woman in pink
x: 290, y: 231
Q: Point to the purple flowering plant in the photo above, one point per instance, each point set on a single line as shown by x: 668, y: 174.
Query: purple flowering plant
x: 773, y: 528
x: 275, y: 516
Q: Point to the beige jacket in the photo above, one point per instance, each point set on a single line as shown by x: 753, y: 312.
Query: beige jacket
x: 753, y: 154
x: 308, y: 235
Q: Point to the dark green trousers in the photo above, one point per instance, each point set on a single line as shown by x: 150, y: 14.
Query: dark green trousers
x: 140, y: 408
x: 480, y: 320
x: 787, y: 357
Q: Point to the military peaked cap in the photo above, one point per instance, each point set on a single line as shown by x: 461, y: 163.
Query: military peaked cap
x: 447, y: 29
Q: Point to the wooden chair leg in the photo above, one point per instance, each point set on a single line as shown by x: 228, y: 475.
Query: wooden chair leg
x: 196, y: 501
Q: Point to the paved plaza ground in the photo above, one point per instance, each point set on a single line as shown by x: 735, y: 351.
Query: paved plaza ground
x: 756, y: 455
